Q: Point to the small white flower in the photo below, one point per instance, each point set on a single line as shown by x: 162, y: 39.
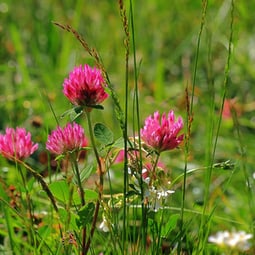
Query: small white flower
x: 235, y: 240
x: 156, y: 197
x: 104, y: 226
x: 164, y: 193
x: 220, y: 238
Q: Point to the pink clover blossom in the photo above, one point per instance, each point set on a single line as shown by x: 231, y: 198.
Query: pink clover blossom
x: 162, y: 134
x: 67, y: 139
x: 17, y: 143
x: 85, y: 86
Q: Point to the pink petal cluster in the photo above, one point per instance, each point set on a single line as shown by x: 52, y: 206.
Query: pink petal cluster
x: 17, y: 143
x: 67, y: 139
x: 162, y: 134
x: 85, y: 86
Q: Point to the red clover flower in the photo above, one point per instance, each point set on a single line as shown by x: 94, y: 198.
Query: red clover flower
x: 162, y: 135
x: 67, y: 139
x: 17, y: 143
x: 85, y: 86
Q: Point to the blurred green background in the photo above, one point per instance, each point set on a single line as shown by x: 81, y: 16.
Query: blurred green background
x: 36, y: 56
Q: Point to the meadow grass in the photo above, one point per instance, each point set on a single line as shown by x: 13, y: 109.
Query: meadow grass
x: 187, y: 56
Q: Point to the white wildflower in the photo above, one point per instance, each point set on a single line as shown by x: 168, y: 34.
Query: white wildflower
x: 235, y: 240
x: 156, y: 197
x: 104, y: 226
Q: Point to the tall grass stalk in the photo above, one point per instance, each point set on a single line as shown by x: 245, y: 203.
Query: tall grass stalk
x: 205, y: 221
x: 100, y: 184
x: 189, y: 119
x: 8, y: 222
x: 125, y: 128
x: 136, y: 122
x: 247, y: 180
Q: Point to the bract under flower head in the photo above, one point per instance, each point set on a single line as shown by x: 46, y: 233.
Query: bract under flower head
x: 85, y: 86
x: 17, y: 143
x: 67, y: 139
x: 162, y: 135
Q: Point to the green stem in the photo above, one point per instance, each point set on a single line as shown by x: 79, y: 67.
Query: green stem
x: 153, y: 174
x: 82, y: 195
x: 125, y: 134
x: 160, y: 229
x: 92, y: 139
x: 101, y: 180
x: 78, y: 177
x: 29, y: 206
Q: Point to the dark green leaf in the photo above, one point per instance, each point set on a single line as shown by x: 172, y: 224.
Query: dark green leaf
x: 78, y: 109
x: 103, y: 134
x: 85, y: 215
x: 132, y: 193
x: 98, y: 106
x: 133, y: 187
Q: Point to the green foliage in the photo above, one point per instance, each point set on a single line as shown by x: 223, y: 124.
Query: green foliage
x: 86, y: 172
x: 170, y: 225
x: 73, y: 113
x: 61, y: 191
x: 85, y: 215
x: 103, y: 134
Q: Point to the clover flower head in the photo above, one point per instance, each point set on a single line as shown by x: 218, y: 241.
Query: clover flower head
x: 17, y: 143
x: 85, y: 86
x: 67, y: 139
x: 162, y: 134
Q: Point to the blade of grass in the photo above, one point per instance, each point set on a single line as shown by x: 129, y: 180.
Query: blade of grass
x: 137, y: 127
x: 20, y: 53
x: 6, y: 214
x: 205, y: 222
x: 125, y: 132
x: 189, y: 118
x: 248, y: 187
